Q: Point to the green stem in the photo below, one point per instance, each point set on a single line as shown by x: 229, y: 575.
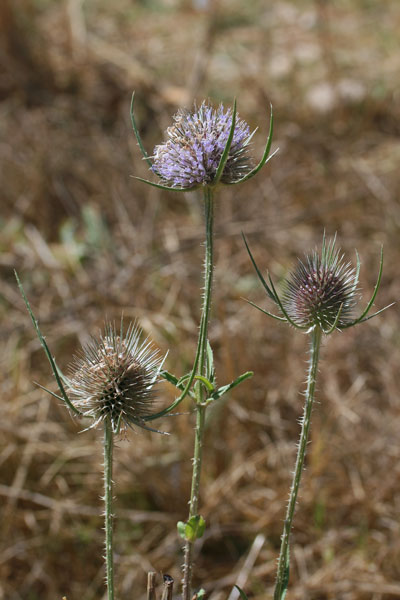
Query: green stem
x: 283, y: 563
x: 108, y: 492
x: 200, y: 391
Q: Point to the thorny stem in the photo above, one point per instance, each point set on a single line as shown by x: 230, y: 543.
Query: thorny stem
x: 200, y: 405
x: 108, y: 491
x: 283, y: 562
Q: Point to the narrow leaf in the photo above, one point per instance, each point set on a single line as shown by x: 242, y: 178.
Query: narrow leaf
x: 227, y: 148
x: 49, y: 391
x: 334, y: 326
x: 362, y: 318
x: 279, y: 301
x: 164, y: 187
x: 46, y: 349
x: 209, y: 386
x: 261, y: 278
x: 226, y: 388
x: 137, y: 135
x: 266, y: 312
x: 169, y: 377
x: 265, y: 157
x: 243, y: 595
x: 210, y: 363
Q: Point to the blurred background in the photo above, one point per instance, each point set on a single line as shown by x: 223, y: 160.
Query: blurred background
x: 90, y: 242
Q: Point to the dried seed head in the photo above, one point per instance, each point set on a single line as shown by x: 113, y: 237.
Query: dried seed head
x: 194, y: 147
x: 319, y: 288
x: 114, y: 376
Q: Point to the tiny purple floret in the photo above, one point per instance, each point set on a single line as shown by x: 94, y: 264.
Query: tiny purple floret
x: 194, y: 146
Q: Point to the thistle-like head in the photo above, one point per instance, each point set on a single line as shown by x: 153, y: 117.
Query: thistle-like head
x: 113, y: 378
x: 204, y: 147
x: 195, y: 143
x: 321, y: 292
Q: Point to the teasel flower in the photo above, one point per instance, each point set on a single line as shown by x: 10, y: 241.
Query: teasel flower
x: 320, y: 296
x: 113, y: 378
x: 205, y: 147
x: 321, y: 288
x: 195, y: 144
x: 321, y: 292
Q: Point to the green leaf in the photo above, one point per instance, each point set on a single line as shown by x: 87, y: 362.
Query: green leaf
x: 178, y: 383
x: 227, y: 148
x: 193, y: 529
x: 167, y: 188
x: 266, y: 312
x: 259, y: 274
x: 265, y: 157
x: 200, y: 594
x: 46, y: 349
x: 63, y: 377
x: 210, y: 363
x: 136, y: 132
x: 226, y: 388
x: 181, y: 526
x: 182, y: 380
x: 243, y: 595
x: 364, y: 314
x: 169, y: 377
x: 209, y: 386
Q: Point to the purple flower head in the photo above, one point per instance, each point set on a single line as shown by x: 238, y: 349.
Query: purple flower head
x: 321, y: 292
x: 321, y: 289
x: 194, y: 147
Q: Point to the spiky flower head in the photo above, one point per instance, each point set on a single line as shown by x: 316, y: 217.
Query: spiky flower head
x: 322, y: 290
x: 195, y: 144
x: 113, y: 378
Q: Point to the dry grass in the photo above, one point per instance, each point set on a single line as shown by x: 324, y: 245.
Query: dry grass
x: 89, y: 242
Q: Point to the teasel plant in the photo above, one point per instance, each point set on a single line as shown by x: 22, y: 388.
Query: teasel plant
x: 319, y: 298
x: 205, y: 148
x: 110, y: 384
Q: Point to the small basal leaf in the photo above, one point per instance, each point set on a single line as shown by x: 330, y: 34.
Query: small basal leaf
x: 193, y: 529
x: 243, y: 595
x: 181, y: 529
